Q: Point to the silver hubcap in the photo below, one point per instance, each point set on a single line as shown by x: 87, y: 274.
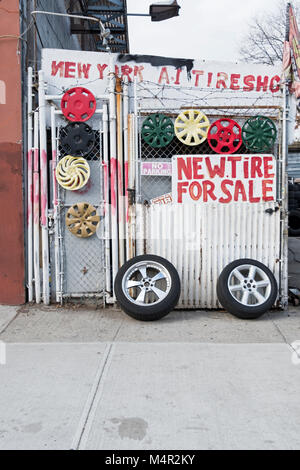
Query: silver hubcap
x: 249, y: 285
x: 146, y: 283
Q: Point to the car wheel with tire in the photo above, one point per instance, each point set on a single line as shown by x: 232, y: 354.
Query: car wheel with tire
x: 147, y: 287
x: 247, y: 289
x: 294, y: 223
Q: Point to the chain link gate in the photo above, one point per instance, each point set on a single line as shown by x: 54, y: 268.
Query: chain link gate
x: 80, y: 263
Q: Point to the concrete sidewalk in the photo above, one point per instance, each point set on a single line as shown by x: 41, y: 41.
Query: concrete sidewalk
x: 79, y: 378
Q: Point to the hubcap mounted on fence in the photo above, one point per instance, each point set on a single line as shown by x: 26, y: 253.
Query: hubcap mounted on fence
x: 259, y: 134
x: 225, y: 136
x: 77, y: 139
x: 73, y: 173
x: 191, y: 127
x: 158, y: 130
x: 78, y: 104
x: 82, y: 220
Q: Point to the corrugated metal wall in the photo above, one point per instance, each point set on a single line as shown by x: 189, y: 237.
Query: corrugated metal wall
x: 200, y: 240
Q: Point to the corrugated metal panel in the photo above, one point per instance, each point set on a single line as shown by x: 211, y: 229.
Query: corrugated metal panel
x: 293, y: 168
x: 200, y: 240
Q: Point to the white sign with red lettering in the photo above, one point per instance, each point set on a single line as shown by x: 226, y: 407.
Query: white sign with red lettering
x: 163, y: 200
x: 156, y: 169
x: 165, y: 81
x: 224, y: 179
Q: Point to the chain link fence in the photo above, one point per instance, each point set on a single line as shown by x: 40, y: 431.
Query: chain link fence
x: 154, y: 186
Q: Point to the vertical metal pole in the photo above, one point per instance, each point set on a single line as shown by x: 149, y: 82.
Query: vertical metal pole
x: 131, y: 186
x: 136, y: 144
x: 126, y: 152
x: 121, y: 196
x: 284, y: 181
x: 30, y: 190
x: 106, y: 199
x: 139, y: 213
x: 36, y: 211
x: 113, y: 169
x: 55, y: 204
x: 44, y: 189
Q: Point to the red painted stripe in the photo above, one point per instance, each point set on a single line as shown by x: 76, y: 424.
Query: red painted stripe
x: 30, y: 188
x: 126, y: 191
x: 44, y: 195
x: 113, y: 182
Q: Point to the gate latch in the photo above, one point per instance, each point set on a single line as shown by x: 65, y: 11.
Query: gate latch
x: 271, y: 211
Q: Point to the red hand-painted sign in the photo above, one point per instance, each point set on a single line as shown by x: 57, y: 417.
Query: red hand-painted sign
x: 226, y: 179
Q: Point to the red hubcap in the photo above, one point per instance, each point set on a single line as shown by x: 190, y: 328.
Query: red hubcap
x: 225, y: 136
x: 78, y: 104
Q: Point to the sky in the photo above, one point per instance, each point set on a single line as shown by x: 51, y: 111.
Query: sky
x: 205, y: 29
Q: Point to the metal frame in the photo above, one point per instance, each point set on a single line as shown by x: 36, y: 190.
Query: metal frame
x: 155, y: 233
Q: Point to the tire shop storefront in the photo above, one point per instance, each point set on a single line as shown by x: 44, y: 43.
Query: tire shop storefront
x: 163, y: 184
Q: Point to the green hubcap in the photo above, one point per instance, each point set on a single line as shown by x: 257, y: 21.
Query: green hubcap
x: 259, y: 134
x: 158, y: 130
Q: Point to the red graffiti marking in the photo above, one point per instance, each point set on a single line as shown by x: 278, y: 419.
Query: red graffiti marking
x: 221, y: 82
x: 101, y: 68
x: 198, y: 74
x: 249, y: 83
x: 234, y: 81
x: 138, y: 72
x: 126, y: 190
x: 84, y: 70
x: 58, y: 67
x: 164, y: 76
x: 30, y: 189
x: 44, y: 198
x: 113, y: 181
x: 106, y: 202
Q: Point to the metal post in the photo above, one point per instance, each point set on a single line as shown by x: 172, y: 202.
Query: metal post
x: 44, y: 189
x: 126, y: 152
x: 36, y: 211
x: 113, y: 170
x: 30, y: 190
x: 55, y: 203
x: 106, y: 199
x: 131, y: 186
x: 284, y: 182
x: 121, y: 202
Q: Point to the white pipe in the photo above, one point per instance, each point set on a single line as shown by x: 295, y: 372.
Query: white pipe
x: 44, y: 189
x: 113, y: 170
x: 136, y: 143
x: 131, y: 185
x: 60, y: 113
x: 126, y: 168
x: 121, y: 196
x: 106, y: 199
x: 80, y: 17
x: 36, y: 212
x: 59, y: 97
x: 30, y: 190
x: 55, y: 204
x: 284, y: 196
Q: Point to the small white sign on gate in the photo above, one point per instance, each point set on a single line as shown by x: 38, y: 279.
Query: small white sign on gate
x: 156, y: 169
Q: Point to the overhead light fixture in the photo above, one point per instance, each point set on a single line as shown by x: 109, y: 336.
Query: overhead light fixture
x: 164, y: 10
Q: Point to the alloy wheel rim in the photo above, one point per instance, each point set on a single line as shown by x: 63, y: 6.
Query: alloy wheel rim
x: 249, y: 285
x: 146, y: 283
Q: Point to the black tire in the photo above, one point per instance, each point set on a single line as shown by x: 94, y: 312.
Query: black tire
x: 229, y: 302
x: 159, y: 309
x: 294, y: 223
